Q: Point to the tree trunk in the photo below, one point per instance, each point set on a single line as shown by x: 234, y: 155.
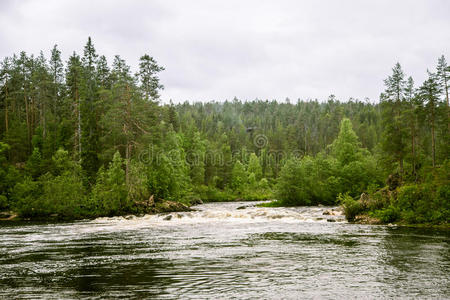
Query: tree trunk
x: 78, y: 104
x: 43, y: 120
x: 448, y: 108
x: 128, y: 131
x: 127, y: 164
x: 6, y: 110
x: 433, y: 141
x: 401, y: 168
x: 27, y: 115
x: 413, y: 147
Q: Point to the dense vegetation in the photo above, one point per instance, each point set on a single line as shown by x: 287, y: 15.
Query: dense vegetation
x: 85, y: 139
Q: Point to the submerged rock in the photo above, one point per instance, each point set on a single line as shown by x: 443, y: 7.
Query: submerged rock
x: 168, y: 218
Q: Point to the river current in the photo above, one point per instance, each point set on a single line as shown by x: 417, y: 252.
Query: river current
x: 222, y: 252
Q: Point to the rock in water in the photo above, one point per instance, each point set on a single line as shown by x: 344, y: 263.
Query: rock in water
x: 168, y: 218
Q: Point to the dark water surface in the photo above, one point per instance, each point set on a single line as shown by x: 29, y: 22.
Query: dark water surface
x: 222, y: 252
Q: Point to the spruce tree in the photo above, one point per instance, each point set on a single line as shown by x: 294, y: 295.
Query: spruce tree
x: 148, y: 70
x: 429, y: 94
x: 392, y: 104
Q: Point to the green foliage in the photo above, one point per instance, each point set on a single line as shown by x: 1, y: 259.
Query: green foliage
x: 25, y: 197
x: 239, y: 177
x: 424, y: 203
x: 110, y: 194
x: 313, y: 180
x: 294, y: 186
x: 9, y: 176
x: 34, y: 164
x: 137, y: 187
x: 215, y: 151
x: 346, y: 147
x: 254, y: 167
x: 60, y: 193
x: 63, y: 195
x: 213, y: 194
x: 168, y: 173
x: 352, y: 207
x: 389, y: 214
x: 3, y: 202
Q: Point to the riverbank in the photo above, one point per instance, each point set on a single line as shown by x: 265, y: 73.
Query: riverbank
x: 141, y: 208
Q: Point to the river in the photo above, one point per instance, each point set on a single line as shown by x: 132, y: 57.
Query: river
x: 221, y: 252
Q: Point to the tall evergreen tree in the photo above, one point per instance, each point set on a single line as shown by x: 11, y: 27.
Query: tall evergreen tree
x: 74, y: 81
x: 148, y: 70
x: 90, y: 135
x: 443, y: 73
x: 392, y: 103
x: 429, y: 93
x: 57, y: 72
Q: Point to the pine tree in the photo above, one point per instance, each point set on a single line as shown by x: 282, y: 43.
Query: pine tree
x: 74, y: 81
x: 148, y: 70
x: 392, y: 103
x: 429, y: 93
x: 103, y: 73
x: 5, y: 77
x: 56, y: 70
x: 443, y: 73
x: 410, y: 115
x: 89, y: 127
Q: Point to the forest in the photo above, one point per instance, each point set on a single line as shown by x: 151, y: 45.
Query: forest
x: 87, y: 138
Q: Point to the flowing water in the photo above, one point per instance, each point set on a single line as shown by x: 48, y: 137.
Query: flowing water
x: 221, y: 252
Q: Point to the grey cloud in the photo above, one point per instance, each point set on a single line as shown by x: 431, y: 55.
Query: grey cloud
x: 249, y: 49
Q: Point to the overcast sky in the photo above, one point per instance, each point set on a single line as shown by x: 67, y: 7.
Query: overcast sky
x: 215, y: 50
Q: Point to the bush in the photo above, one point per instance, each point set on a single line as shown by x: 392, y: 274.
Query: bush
x: 3, y: 202
x: 213, y: 194
x: 25, y: 196
x: 389, y: 214
x: 61, y: 193
x: 351, y: 206
x: 109, y: 194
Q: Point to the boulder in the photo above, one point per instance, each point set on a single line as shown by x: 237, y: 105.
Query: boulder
x: 364, y: 199
x: 151, y: 201
x: 365, y: 219
x: 171, y: 206
x: 196, y: 201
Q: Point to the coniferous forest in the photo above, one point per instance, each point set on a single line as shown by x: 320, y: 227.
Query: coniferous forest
x: 88, y: 137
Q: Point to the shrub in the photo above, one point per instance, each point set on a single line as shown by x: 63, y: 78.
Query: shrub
x: 110, y: 191
x: 389, y: 214
x: 3, y: 202
x: 351, y: 206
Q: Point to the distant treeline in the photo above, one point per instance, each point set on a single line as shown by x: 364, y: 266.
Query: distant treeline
x: 84, y: 138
